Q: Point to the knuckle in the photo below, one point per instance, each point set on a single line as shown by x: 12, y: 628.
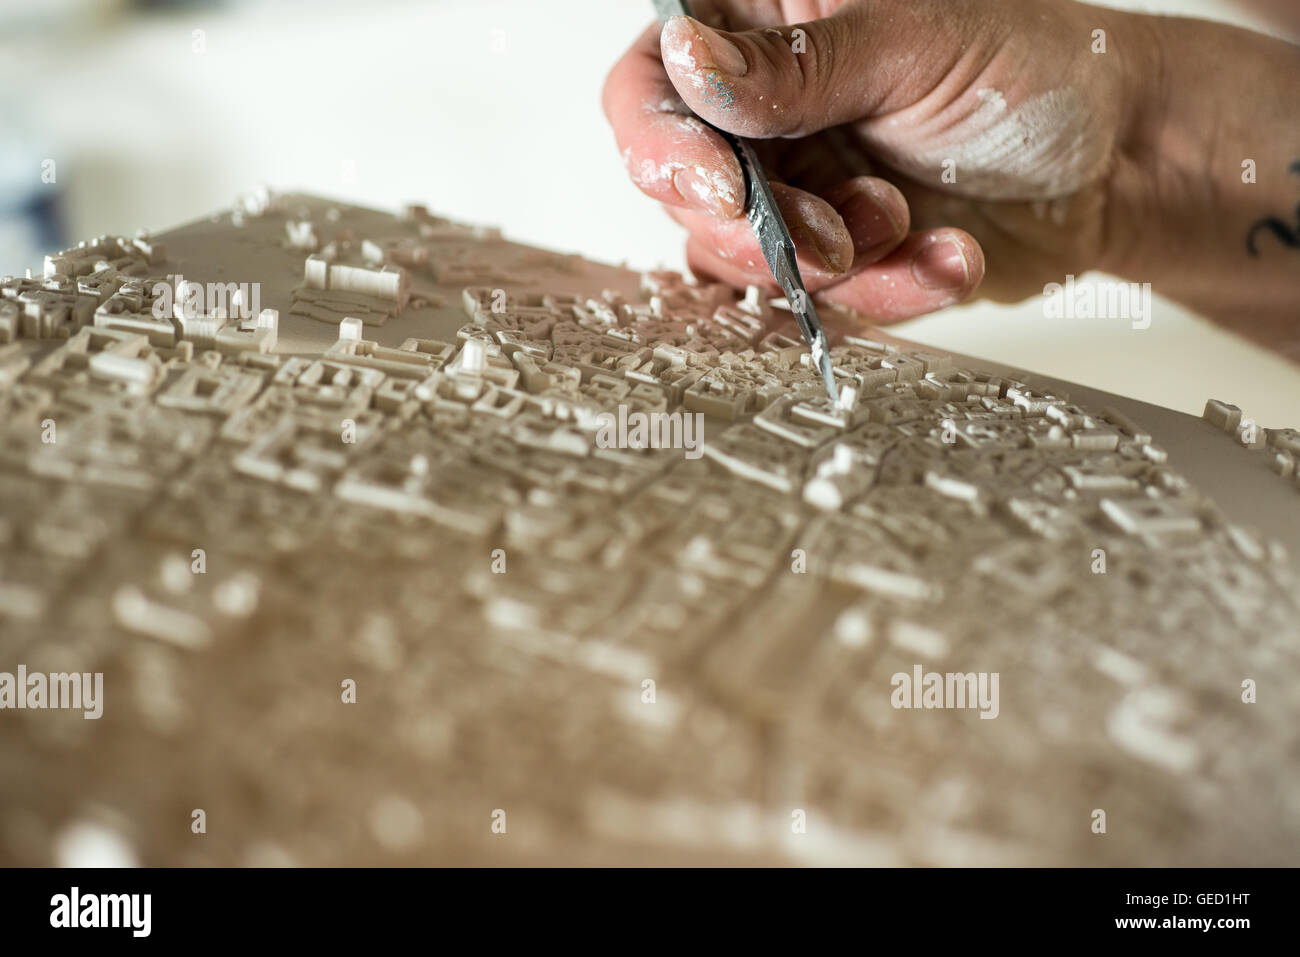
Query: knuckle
x: 818, y: 66
x: 802, y: 62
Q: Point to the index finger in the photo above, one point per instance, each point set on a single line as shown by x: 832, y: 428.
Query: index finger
x: 670, y: 154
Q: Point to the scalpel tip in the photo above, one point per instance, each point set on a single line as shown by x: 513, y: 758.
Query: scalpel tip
x: 822, y: 357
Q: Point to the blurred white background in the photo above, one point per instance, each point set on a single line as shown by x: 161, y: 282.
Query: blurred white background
x: 487, y: 111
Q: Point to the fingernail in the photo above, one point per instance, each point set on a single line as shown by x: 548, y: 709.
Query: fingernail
x: 697, y: 190
x: 823, y: 247
x: 941, y: 265
x: 712, y: 49
x: 867, y: 221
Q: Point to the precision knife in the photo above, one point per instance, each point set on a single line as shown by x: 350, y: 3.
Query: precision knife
x: 773, y: 235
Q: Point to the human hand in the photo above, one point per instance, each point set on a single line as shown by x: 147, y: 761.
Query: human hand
x: 992, y: 124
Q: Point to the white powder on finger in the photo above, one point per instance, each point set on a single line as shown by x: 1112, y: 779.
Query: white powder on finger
x: 680, y: 132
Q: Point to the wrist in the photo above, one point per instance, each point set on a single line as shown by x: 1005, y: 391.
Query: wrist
x: 1145, y: 172
x: 1203, y: 100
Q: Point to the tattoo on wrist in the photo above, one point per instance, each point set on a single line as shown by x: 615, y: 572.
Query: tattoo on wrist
x: 1287, y: 235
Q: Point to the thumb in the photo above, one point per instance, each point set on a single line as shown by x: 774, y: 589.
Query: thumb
x: 773, y: 82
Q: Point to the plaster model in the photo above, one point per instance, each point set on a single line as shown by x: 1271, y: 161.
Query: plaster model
x: 365, y: 588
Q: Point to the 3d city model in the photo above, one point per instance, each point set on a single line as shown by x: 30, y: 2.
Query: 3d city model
x: 329, y: 537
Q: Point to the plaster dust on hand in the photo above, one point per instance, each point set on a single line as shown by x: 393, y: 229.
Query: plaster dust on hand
x: 675, y: 47
x: 680, y: 131
x: 709, y: 82
x: 1050, y: 145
